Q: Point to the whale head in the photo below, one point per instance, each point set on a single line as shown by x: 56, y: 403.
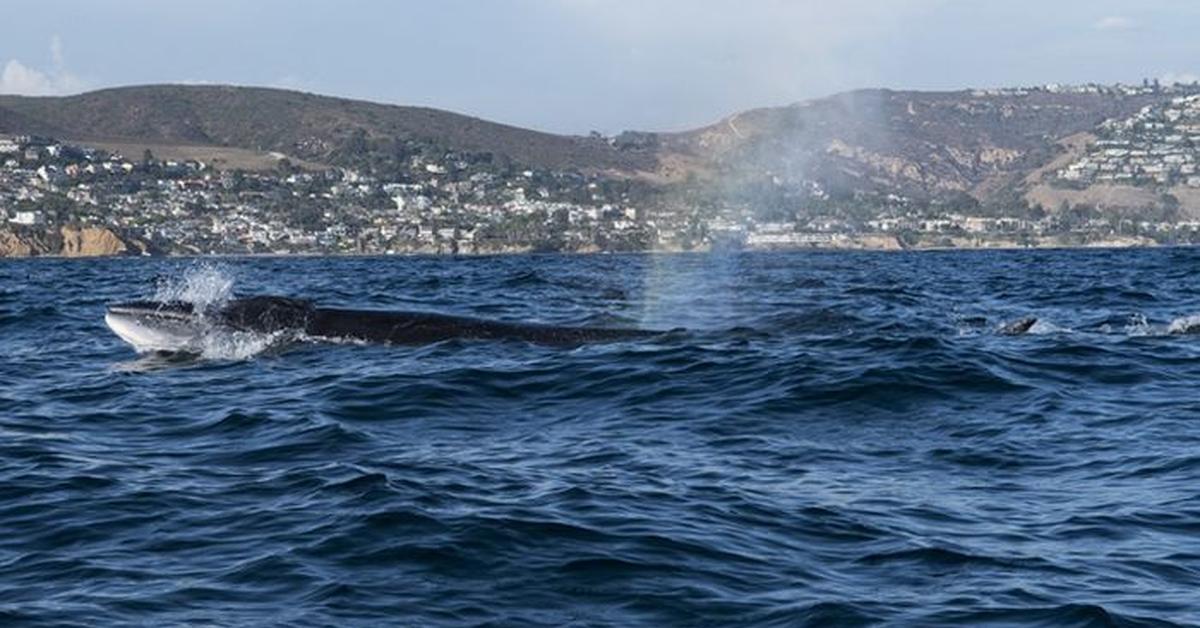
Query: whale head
x: 156, y: 325
x: 179, y: 326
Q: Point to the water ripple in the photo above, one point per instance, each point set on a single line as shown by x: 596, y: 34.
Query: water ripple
x: 827, y: 439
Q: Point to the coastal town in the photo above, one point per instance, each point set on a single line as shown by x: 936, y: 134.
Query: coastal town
x: 458, y: 203
x: 192, y: 208
x: 1158, y: 146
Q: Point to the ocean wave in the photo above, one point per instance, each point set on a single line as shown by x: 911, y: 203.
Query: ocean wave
x: 827, y: 428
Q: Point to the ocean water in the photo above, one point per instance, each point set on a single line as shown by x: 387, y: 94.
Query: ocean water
x: 835, y: 439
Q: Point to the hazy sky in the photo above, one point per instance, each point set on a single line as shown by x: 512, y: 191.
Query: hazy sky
x: 579, y: 65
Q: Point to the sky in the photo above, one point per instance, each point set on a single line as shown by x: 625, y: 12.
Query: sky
x: 574, y: 66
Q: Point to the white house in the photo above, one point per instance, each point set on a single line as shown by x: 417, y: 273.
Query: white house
x: 25, y: 218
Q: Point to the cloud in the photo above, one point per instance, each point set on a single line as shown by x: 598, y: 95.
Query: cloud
x: 19, y: 78
x: 1114, y: 23
x: 1180, y: 78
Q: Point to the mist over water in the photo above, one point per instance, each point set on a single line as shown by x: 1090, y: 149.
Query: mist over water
x: 834, y: 439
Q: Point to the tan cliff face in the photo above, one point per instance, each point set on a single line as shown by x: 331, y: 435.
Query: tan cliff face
x: 66, y: 242
x: 91, y: 242
x: 12, y: 245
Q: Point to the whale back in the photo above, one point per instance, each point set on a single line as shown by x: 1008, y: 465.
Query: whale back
x: 1017, y: 327
x: 267, y: 314
x: 427, y: 327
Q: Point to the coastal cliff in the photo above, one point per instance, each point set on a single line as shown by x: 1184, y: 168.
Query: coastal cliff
x: 67, y: 241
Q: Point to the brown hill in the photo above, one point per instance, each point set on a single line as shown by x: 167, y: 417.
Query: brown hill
x: 303, y: 125
x: 917, y: 143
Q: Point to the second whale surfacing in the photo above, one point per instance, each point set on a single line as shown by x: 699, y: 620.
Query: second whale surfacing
x: 175, y: 326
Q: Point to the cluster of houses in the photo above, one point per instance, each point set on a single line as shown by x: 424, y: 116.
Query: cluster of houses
x: 433, y: 206
x: 1160, y: 145
x: 190, y: 207
x: 1147, y: 87
x: 919, y: 226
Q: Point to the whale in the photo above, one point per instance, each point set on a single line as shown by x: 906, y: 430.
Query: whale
x: 1017, y: 327
x: 180, y: 326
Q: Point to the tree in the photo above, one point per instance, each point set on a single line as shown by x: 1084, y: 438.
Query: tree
x: 1170, y: 206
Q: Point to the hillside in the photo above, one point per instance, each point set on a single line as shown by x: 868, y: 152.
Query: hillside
x: 999, y: 149
x: 920, y: 144
x: 304, y: 126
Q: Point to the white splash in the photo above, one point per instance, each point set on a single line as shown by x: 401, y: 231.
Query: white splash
x: 203, y: 285
x: 1139, y: 326
x: 207, y: 286
x: 1185, y: 325
x: 1043, y: 326
x: 219, y: 343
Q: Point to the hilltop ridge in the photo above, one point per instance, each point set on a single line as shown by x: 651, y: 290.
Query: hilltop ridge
x: 307, y: 126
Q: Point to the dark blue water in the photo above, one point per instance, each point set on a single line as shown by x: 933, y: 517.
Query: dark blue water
x: 839, y: 439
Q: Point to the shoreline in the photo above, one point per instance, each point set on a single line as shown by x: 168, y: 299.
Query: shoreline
x: 1098, y: 246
